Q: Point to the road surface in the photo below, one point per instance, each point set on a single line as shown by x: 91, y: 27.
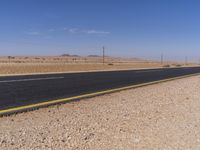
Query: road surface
x: 24, y: 90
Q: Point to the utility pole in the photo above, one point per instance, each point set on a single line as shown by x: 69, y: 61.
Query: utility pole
x: 103, y: 55
x: 161, y: 59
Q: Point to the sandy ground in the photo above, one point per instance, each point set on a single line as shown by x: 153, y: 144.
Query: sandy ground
x: 163, y: 116
x: 23, y: 68
x: 46, y: 64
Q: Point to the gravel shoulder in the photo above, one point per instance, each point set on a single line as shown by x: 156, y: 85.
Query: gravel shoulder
x: 160, y: 116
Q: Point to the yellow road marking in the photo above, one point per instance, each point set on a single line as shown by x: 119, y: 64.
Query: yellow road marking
x: 64, y: 100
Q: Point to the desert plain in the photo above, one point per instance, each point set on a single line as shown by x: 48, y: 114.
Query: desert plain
x: 73, y: 63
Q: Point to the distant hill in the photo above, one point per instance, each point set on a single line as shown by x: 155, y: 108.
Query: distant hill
x: 68, y: 55
x: 65, y: 55
x: 94, y: 56
x: 75, y: 56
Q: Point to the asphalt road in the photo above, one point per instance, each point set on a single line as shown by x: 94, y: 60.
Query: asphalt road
x: 18, y: 91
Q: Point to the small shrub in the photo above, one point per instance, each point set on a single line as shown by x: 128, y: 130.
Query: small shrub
x: 10, y: 57
x: 178, y: 65
x: 166, y: 66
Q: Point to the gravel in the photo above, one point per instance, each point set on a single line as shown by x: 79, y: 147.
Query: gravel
x: 160, y: 116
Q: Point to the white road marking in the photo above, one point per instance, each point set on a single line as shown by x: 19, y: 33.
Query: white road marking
x: 35, y: 79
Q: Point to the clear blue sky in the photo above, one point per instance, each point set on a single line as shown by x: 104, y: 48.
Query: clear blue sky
x: 130, y: 28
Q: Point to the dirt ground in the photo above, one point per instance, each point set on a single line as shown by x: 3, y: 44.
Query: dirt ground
x: 162, y: 116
